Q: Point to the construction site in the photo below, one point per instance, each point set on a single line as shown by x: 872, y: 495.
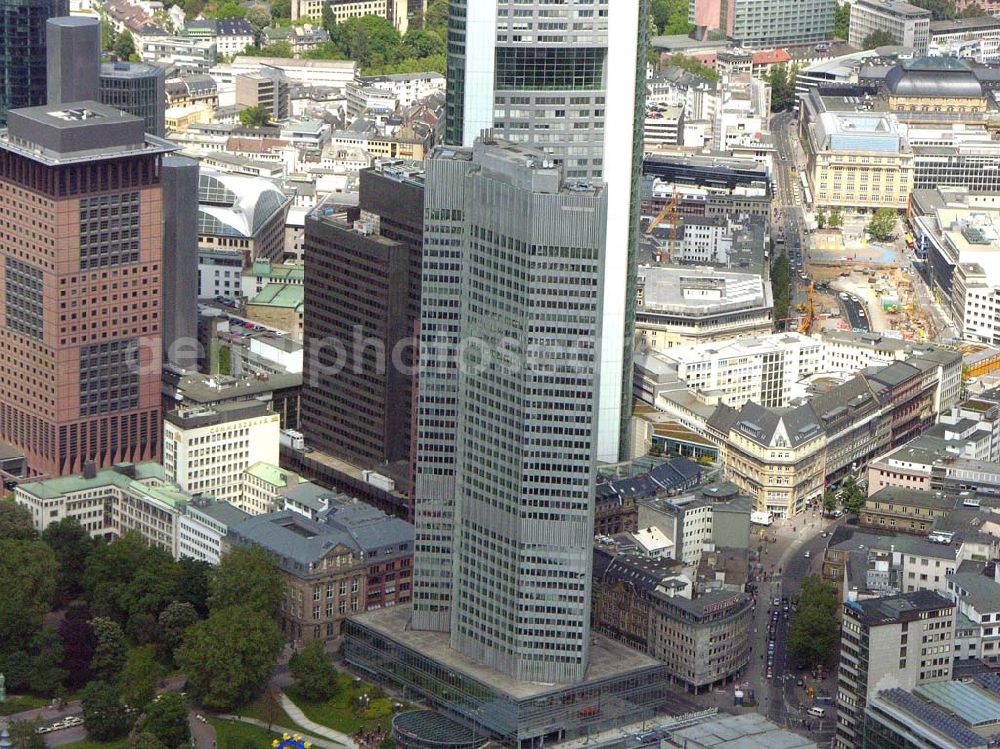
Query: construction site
x: 850, y: 291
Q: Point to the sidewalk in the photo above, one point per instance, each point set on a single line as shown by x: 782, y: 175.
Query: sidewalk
x: 275, y: 728
x: 342, y: 739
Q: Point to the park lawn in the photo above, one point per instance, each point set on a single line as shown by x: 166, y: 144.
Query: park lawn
x: 257, y: 710
x: 21, y: 703
x: 236, y: 735
x: 340, y: 713
x: 89, y: 743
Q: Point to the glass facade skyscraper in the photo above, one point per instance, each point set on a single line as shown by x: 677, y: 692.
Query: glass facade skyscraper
x: 566, y: 77
x: 23, y: 65
x: 506, y: 433
x: 505, y: 461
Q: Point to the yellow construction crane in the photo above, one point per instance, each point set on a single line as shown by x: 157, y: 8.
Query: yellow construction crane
x: 810, y: 317
x: 669, y: 210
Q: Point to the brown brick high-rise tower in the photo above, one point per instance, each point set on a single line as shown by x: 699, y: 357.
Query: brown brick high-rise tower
x: 80, y: 286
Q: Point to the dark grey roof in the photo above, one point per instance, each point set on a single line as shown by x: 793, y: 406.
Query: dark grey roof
x: 294, y: 537
x: 902, y: 608
x: 847, y: 400
x: 224, y: 512
x: 723, y: 418
x: 894, y: 374
x: 933, y: 76
x: 914, y: 497
x: 981, y: 591
x: 644, y: 573
x: 761, y: 424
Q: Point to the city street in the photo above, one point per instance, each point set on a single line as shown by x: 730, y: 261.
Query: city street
x: 779, y: 697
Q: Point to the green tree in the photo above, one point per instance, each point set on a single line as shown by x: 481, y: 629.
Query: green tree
x: 15, y: 522
x: 972, y: 11
x: 878, y: 39
x: 47, y: 674
x: 836, y: 219
x: 692, y: 66
x: 327, y: 19
x: 883, y: 224
x: 842, y: 20
x: 17, y: 670
x: 228, y: 657
x: 781, y: 288
x: 124, y: 48
x: 72, y: 545
x: 829, y: 502
x: 250, y: 117
x: 941, y: 10
x: 436, y: 16
x: 138, y: 679
x: 108, y: 34
x: 110, y: 650
x: 370, y: 40
x: 144, y: 740
x: 174, y: 621
x: 131, y: 582
x: 24, y: 734
x: 283, y: 8
x: 821, y: 219
x: 247, y: 576
x: 315, y: 676
x: 259, y: 18
x: 28, y: 570
x: 104, y: 713
x: 812, y: 636
x: 166, y: 718
x: 418, y: 43
x: 193, y: 8
x: 671, y: 17
x: 852, y: 496
x: 782, y: 81
x: 276, y: 49
x: 230, y: 9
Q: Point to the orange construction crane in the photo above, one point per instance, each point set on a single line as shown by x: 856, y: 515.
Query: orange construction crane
x: 810, y: 317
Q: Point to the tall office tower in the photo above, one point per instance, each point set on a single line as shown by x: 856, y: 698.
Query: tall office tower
x: 506, y: 433
x: 137, y: 88
x: 180, y: 261
x: 363, y: 292
x: 80, y: 304
x: 72, y: 56
x: 568, y: 78
x: 23, y: 66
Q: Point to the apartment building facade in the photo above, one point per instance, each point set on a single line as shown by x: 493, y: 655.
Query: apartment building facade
x: 352, y: 559
x: 206, y: 450
x: 908, y: 24
x: 704, y: 641
x: 900, y: 642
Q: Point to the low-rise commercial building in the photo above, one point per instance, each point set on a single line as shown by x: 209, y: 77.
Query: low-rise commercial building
x: 679, y: 306
x: 905, y: 641
x: 908, y: 24
x: 207, y: 450
x: 704, y: 641
x: 945, y: 715
x: 352, y: 559
x: 112, y: 502
x: 855, y: 156
x: 185, y: 54
x: 970, y: 38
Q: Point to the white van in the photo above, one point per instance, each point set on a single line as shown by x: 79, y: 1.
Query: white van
x: 816, y: 712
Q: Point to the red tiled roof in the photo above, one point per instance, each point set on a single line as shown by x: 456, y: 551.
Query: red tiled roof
x: 771, y: 57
